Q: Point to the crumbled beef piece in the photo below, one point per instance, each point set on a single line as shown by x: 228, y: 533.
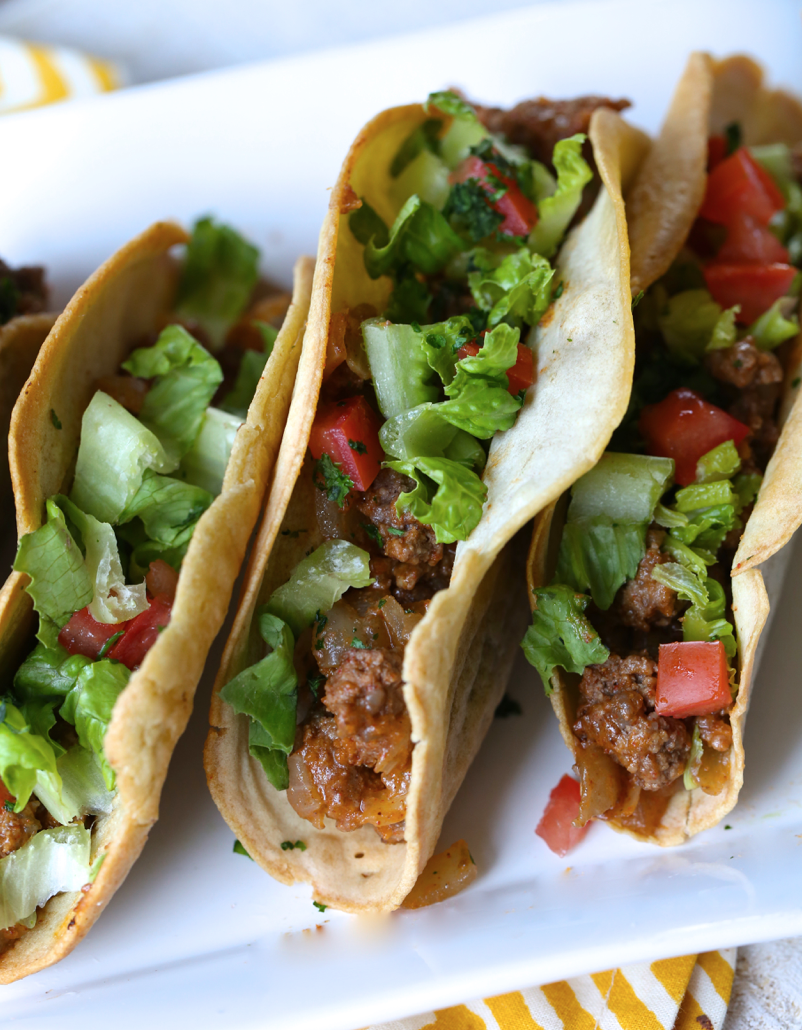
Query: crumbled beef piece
x: 642, y: 602
x: 715, y: 731
x: 618, y: 675
x: 23, y: 291
x: 756, y: 408
x: 410, y: 583
x: 403, y: 537
x: 323, y: 782
x: 651, y: 747
x: 539, y: 124
x: 744, y: 365
x: 365, y: 695
x: 16, y: 828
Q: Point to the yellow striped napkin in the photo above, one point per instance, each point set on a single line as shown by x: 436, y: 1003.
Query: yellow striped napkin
x: 689, y: 993
x: 32, y: 74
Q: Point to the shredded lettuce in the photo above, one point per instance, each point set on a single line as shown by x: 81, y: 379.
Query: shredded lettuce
x: 479, y: 399
x: 115, y: 450
x: 166, y: 507
x: 621, y: 487
x: 186, y: 378
x: 318, y: 582
x: 703, y: 495
x: 219, y: 273
x: 773, y: 327
x: 47, y: 672
x: 89, y: 704
x: 721, y: 462
x: 707, y: 528
x: 447, y: 496
x: 465, y: 130
x: 684, y: 581
x: 517, y: 286
x: 83, y: 791
x: 24, y: 756
x: 267, y: 693
x: 707, y: 622
x: 420, y: 236
x: 561, y: 634
x: 598, y: 555
x: 52, y: 861
x: 746, y: 486
x: 423, y: 139
x: 401, y: 373
x: 252, y: 365
x: 421, y: 431
x: 692, y: 323
x: 205, y: 463
x: 556, y: 211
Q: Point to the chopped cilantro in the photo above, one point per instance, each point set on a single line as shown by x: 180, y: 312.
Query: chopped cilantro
x: 382, y: 603
x: 240, y: 850
x: 373, y: 532
x: 356, y: 642
x: 336, y: 484
x: 8, y: 805
x: 288, y: 845
x: 394, y: 531
x: 110, y: 644
x: 796, y: 382
x: 293, y: 533
x: 358, y: 446
x: 507, y: 706
x: 637, y: 299
x: 559, y: 290
x: 55, y: 419
x: 732, y: 137
x: 315, y: 683
x: 319, y: 906
x: 320, y: 620
x: 468, y: 206
x: 728, y: 827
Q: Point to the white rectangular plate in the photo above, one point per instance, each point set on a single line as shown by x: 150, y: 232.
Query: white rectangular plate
x: 200, y: 935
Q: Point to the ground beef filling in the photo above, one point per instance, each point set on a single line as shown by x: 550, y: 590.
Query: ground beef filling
x: 353, y: 751
x: 23, y: 291
x: 16, y: 828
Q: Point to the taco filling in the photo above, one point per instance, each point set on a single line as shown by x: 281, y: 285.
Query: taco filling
x: 23, y: 291
x: 640, y: 606
x: 411, y: 398
x: 104, y: 567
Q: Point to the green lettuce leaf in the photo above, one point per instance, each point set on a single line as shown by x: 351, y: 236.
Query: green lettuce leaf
x: 517, y: 287
x: 206, y: 461
x: 399, y: 366
x: 421, y: 432
x: 692, y: 323
x: 465, y: 130
x: 167, y: 507
x: 622, y: 487
x: 721, y: 462
x: 24, y: 756
x: 773, y: 327
x: 447, y: 496
x: 115, y: 450
x: 272, y: 759
x: 423, y: 138
x: 252, y: 365
x: 219, y: 273
x: 469, y: 212
x: 561, y: 634
x: 707, y: 623
x: 186, y: 378
x: 89, y: 704
x: 82, y: 790
x: 688, y: 585
x: 318, y: 582
x: 598, y: 555
x: 47, y: 672
x: 555, y: 212
x: 420, y: 236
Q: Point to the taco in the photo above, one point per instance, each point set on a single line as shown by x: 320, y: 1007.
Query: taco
x: 377, y: 622
x: 24, y: 324
x: 135, y: 498
x: 646, y: 636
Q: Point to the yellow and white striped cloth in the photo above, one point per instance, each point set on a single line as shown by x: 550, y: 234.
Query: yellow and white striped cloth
x: 689, y: 993
x: 33, y: 74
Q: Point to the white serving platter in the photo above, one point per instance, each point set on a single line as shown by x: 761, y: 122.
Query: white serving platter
x: 200, y: 935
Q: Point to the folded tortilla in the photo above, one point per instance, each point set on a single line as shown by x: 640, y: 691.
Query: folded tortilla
x: 458, y: 657
x: 661, y: 208
x: 128, y: 297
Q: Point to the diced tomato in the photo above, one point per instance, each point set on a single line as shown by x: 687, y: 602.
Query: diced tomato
x: 692, y: 679
x: 556, y: 827
x: 141, y: 633
x: 750, y: 243
x: 716, y: 151
x: 161, y: 580
x: 5, y: 794
x: 348, y: 431
x: 684, y: 427
x: 521, y: 375
x: 754, y: 287
x: 739, y: 185
x: 520, y: 214
x: 85, y: 635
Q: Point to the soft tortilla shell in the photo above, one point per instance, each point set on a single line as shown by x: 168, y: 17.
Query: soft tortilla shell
x: 661, y: 209
x: 127, y: 297
x: 457, y: 660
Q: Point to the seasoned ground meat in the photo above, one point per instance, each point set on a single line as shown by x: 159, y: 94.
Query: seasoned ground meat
x: 16, y: 828
x: 323, y: 782
x: 539, y: 124
x: 403, y: 537
x: 652, y: 748
x: 715, y: 731
x: 744, y: 365
x: 642, y: 602
x: 22, y: 291
x: 756, y: 408
x: 618, y: 675
x: 364, y: 693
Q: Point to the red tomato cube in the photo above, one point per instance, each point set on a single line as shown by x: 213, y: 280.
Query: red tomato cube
x: 348, y: 431
x: 739, y: 184
x: 84, y: 635
x: 521, y: 375
x: 692, y: 679
x: 750, y: 243
x: 141, y: 633
x: 684, y: 427
x: 557, y: 824
x: 754, y: 286
x: 520, y: 214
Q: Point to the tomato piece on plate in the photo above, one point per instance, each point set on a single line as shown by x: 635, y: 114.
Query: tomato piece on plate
x: 521, y: 375
x: 84, y: 635
x: 520, y: 214
x: 684, y: 426
x: 556, y: 827
x: 348, y: 431
x: 738, y: 184
x: 755, y: 287
x: 692, y: 679
x: 141, y: 633
x: 750, y: 243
